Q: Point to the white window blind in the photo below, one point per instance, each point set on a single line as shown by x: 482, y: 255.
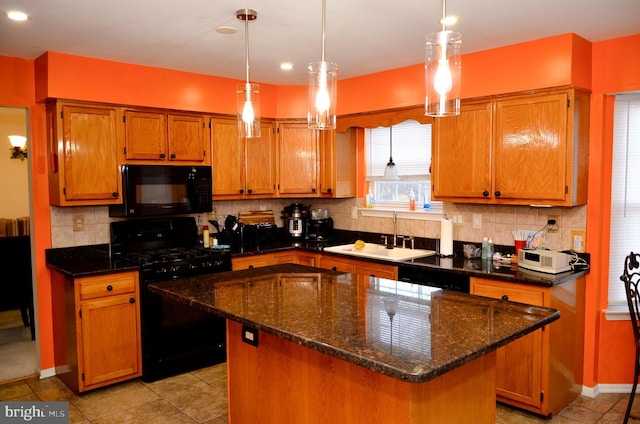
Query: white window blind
x: 625, y: 193
x: 411, y: 150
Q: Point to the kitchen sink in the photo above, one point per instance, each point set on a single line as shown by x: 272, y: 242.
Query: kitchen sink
x: 379, y: 251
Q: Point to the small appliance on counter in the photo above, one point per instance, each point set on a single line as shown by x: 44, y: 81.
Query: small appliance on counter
x: 547, y: 261
x: 295, y: 217
x: 257, y: 228
x: 320, y: 226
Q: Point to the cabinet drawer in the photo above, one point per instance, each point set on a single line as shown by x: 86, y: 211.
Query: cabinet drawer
x: 108, y: 285
x: 514, y: 294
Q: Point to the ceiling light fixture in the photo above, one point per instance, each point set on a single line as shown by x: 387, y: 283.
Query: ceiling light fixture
x: 248, y: 94
x: 390, y: 171
x: 323, y: 77
x: 16, y: 15
x: 443, y: 70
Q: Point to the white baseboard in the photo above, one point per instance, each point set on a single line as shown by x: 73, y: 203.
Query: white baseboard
x: 606, y: 388
x: 49, y: 372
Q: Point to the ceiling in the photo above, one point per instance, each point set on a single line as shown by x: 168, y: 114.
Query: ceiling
x: 362, y: 36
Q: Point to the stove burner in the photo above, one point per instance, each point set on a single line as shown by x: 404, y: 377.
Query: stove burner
x: 169, y: 255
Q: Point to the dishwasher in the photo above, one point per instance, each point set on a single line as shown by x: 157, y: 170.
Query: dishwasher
x: 434, y: 278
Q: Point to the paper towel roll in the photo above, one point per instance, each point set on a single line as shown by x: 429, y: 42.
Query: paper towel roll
x: 446, y: 237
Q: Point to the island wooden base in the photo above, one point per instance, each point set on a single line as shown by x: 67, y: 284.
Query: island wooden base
x: 282, y: 382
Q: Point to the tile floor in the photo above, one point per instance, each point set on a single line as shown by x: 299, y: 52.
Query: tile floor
x: 200, y: 397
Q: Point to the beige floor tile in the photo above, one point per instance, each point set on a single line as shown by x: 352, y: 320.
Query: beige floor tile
x: 602, y: 403
x: 192, y: 396
x: 212, y: 373
x: 75, y: 416
x: 16, y: 391
x: 580, y: 414
x: 117, y: 398
x: 156, y: 412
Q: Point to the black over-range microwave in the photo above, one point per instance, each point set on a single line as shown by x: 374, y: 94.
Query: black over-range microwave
x: 155, y: 190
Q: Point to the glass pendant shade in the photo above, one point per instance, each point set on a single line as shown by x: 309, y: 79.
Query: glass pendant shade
x: 323, y: 78
x: 248, y: 104
x: 443, y: 73
x: 391, y: 171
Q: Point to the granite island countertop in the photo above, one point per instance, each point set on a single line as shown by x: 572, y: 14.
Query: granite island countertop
x: 410, y: 332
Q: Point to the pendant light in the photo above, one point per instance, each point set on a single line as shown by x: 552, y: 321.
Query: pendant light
x: 390, y: 171
x: 323, y: 77
x: 442, y: 71
x: 248, y: 94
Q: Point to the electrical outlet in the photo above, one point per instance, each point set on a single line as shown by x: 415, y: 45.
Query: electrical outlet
x: 354, y: 212
x: 78, y: 222
x: 250, y: 335
x: 578, y: 240
x: 477, y: 221
x: 553, y: 223
x: 457, y: 220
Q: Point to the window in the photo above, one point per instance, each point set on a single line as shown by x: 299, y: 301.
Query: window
x: 625, y: 193
x: 412, y: 156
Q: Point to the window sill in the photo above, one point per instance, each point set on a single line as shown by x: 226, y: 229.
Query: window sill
x: 617, y: 314
x: 420, y: 215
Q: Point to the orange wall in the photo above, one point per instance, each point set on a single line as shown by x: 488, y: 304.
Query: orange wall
x: 610, y: 347
x: 17, y: 90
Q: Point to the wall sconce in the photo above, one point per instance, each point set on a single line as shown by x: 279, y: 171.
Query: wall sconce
x: 443, y: 71
x: 18, y: 147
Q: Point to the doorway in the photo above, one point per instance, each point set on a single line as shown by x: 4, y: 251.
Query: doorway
x: 17, y: 347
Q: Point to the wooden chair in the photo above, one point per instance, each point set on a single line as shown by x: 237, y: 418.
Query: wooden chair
x: 631, y: 279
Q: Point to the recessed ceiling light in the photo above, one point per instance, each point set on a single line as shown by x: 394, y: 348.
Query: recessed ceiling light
x: 226, y: 30
x: 286, y: 66
x: 15, y: 15
x: 449, y: 20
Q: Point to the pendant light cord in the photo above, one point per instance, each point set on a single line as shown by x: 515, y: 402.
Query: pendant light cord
x: 324, y: 11
x: 246, y: 43
x: 444, y: 14
x: 391, y: 144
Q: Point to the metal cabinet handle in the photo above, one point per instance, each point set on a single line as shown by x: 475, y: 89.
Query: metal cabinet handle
x: 498, y: 193
x: 249, y: 191
x: 329, y: 190
x: 173, y: 155
x: 505, y: 297
x: 241, y: 191
x: 250, y: 266
x: 485, y: 193
x: 313, y: 190
x: 162, y: 156
x: 115, y: 194
x: 109, y: 287
x: 132, y: 300
x: 335, y: 268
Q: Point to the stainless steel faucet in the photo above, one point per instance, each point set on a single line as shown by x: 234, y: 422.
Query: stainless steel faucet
x: 395, y: 227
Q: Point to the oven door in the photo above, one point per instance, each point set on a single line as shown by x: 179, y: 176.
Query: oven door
x: 177, y: 338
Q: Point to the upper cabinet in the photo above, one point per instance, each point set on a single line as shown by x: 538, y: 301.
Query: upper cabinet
x: 242, y: 168
x: 529, y: 149
x: 298, y: 160
x: 338, y: 163
x: 82, y: 154
x: 160, y: 137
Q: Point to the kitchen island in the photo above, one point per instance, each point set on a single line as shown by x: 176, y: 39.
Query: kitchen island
x: 311, y: 345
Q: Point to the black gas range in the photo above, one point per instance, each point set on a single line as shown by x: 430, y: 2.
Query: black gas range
x: 175, y: 337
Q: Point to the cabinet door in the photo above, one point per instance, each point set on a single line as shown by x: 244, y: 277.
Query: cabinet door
x: 145, y: 135
x: 186, y: 138
x: 373, y: 269
x: 308, y: 259
x: 89, y: 138
x: 335, y: 263
x: 227, y: 158
x: 298, y: 160
x: 531, y: 147
x: 328, y: 163
x: 518, y: 364
x: 461, y: 154
x: 110, y: 339
x: 260, y: 162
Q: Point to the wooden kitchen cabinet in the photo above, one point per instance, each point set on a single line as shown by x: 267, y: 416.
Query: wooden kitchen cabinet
x: 242, y: 168
x: 82, y: 154
x: 97, y: 329
x: 285, y: 257
x: 528, y: 149
x: 541, y: 372
x: 356, y: 266
x: 338, y: 159
x: 298, y: 160
x: 160, y: 137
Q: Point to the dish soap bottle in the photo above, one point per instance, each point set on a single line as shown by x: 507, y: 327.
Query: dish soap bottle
x: 412, y: 200
x: 205, y: 236
x: 485, y: 248
x: 369, y: 199
x: 426, y: 204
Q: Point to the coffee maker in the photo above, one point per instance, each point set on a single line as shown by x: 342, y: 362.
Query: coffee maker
x: 295, y: 217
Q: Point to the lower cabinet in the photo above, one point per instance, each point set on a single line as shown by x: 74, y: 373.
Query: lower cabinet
x: 360, y: 267
x: 266, y: 259
x: 541, y: 372
x: 97, y: 329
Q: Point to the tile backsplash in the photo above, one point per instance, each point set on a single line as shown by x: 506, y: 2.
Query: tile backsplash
x: 495, y: 221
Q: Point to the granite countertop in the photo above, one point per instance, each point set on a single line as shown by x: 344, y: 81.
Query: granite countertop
x: 82, y: 261
x: 432, y: 332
